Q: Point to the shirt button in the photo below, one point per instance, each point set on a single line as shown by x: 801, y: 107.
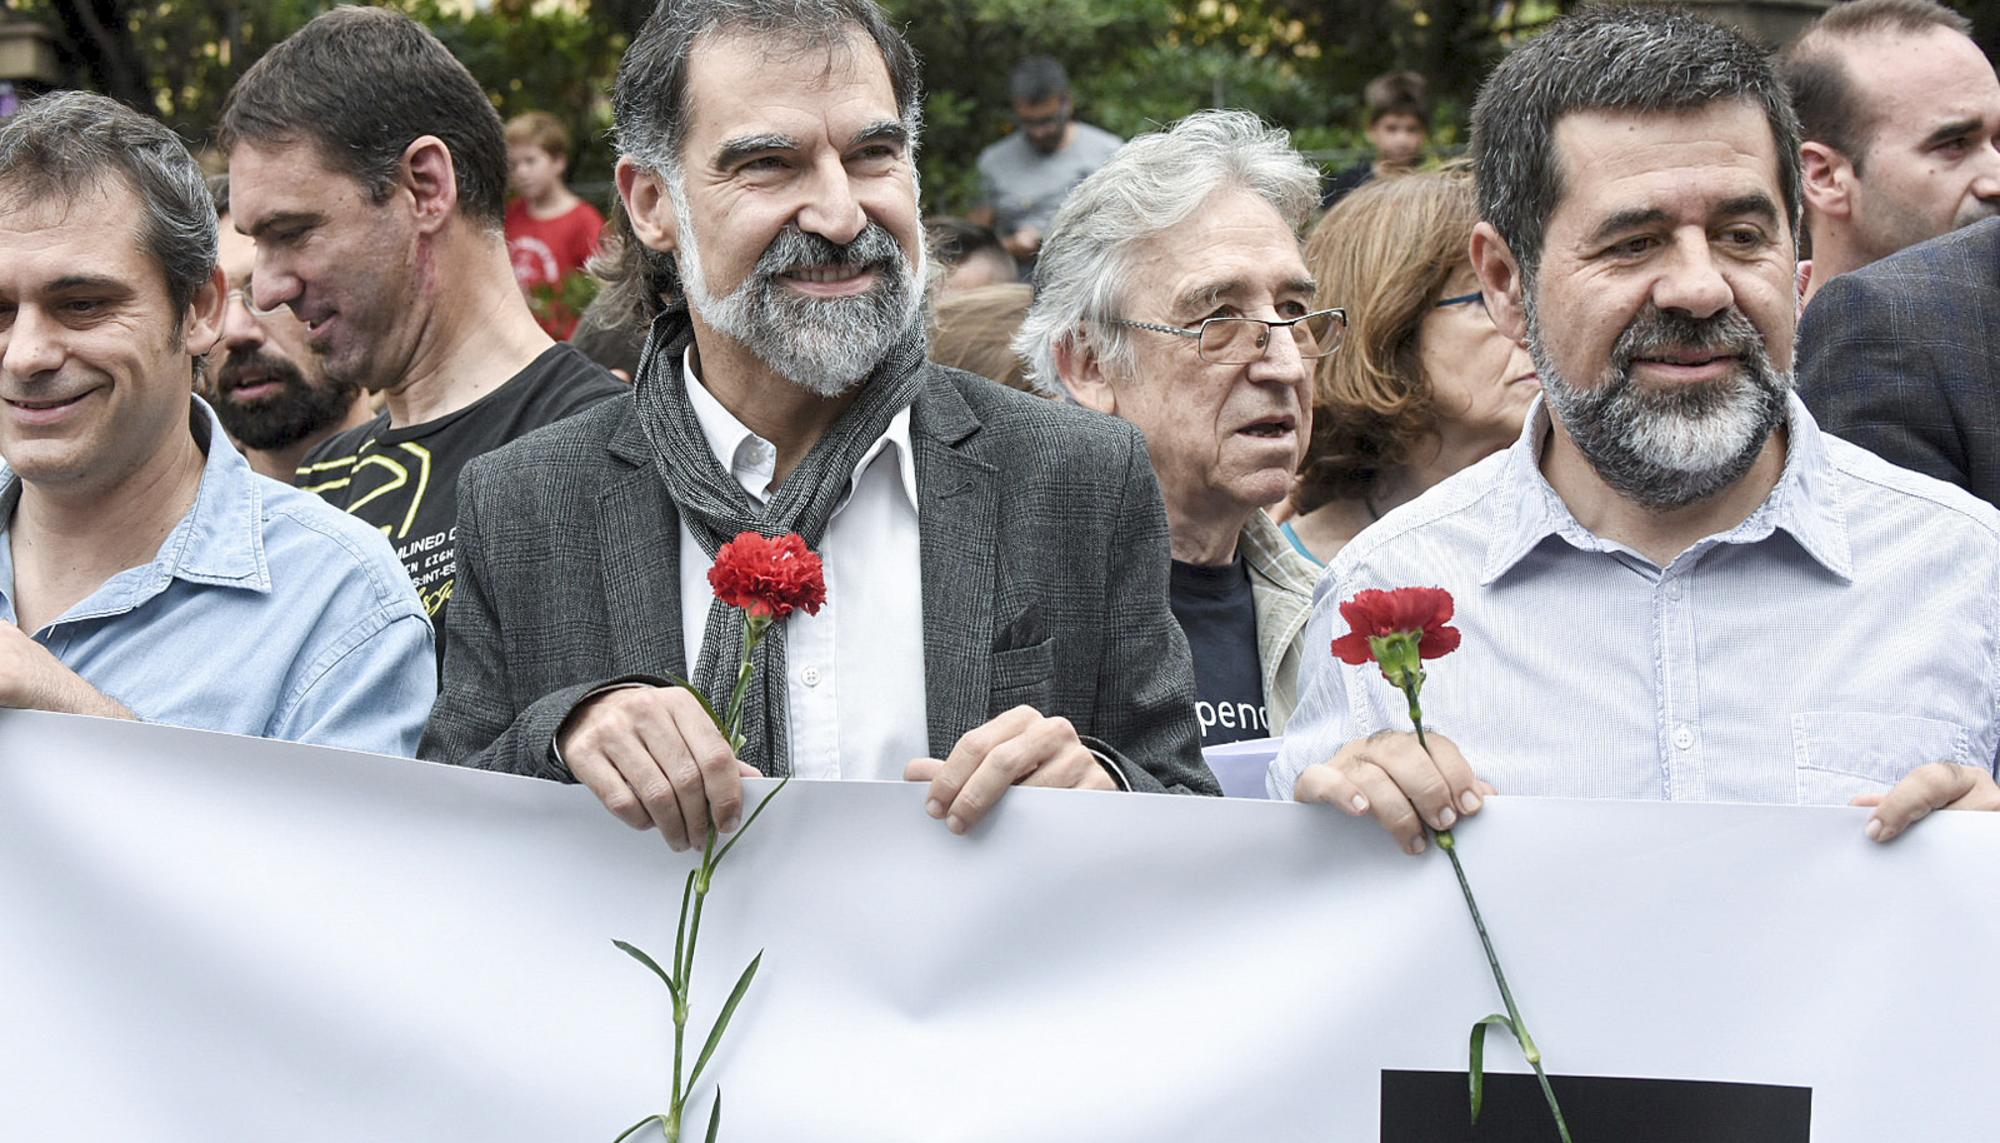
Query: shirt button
x: 1674, y: 590
x: 810, y: 676
x: 1684, y: 738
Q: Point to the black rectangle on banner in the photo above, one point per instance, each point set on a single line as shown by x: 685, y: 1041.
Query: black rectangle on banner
x: 1431, y: 1107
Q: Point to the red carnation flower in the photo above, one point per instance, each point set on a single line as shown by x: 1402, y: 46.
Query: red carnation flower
x: 769, y: 578
x: 1420, y: 611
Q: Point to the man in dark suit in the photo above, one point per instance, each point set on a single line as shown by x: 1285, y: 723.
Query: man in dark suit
x: 996, y: 564
x: 1902, y: 357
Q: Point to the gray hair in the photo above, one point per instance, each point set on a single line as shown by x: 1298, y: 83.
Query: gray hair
x: 1614, y: 59
x: 62, y: 145
x: 649, y: 104
x: 1153, y: 184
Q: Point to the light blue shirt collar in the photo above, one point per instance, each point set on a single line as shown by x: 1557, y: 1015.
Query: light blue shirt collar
x: 1804, y: 504
x: 219, y: 541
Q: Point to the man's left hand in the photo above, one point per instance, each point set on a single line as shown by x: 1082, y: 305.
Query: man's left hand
x: 1936, y: 786
x: 1020, y: 748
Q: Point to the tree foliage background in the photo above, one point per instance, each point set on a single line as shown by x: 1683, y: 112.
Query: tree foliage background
x: 1299, y: 63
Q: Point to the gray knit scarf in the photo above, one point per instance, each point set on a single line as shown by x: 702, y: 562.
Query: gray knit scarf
x: 715, y: 507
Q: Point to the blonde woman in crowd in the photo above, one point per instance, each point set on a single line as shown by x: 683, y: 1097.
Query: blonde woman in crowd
x: 974, y: 330
x: 1424, y: 384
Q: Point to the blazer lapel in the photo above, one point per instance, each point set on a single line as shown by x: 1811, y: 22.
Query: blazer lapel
x: 639, y: 560
x: 957, y: 538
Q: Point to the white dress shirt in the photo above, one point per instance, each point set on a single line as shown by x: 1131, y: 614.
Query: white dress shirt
x: 854, y: 687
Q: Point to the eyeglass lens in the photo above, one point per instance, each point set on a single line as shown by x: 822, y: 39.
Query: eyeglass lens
x: 1240, y: 341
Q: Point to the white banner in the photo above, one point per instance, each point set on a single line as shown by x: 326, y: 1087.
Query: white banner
x: 208, y: 938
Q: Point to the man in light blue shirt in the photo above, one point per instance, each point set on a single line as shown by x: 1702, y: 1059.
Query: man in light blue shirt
x: 145, y: 571
x: 1673, y: 586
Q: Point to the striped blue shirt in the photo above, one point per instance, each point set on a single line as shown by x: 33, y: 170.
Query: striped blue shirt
x: 1843, y: 634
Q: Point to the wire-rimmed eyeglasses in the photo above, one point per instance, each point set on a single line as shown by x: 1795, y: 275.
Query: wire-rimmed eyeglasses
x: 243, y: 295
x: 1242, y: 340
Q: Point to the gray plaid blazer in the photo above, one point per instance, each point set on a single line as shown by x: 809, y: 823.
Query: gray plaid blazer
x: 1902, y: 357
x: 1045, y: 569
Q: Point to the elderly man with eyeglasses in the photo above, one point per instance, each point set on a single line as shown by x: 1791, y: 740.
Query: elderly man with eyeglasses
x: 1171, y: 293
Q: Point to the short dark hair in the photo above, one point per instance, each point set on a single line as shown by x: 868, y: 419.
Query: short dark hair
x: 1625, y: 59
x: 649, y: 104
x: 1830, y: 111
x: 1038, y: 79
x: 955, y: 240
x: 60, y: 145
x: 363, y: 84
x: 1397, y: 93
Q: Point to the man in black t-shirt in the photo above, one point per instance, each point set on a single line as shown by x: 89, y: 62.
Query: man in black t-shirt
x: 378, y: 221
x: 404, y: 479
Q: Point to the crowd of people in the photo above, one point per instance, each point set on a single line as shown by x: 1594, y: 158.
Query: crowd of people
x: 300, y: 453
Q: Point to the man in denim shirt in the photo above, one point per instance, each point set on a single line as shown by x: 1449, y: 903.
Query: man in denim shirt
x: 146, y: 572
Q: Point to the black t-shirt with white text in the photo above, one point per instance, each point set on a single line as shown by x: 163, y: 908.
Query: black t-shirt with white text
x: 1218, y: 613
x: 405, y: 480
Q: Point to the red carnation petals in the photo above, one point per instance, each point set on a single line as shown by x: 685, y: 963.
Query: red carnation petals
x: 1424, y: 609
x: 767, y: 577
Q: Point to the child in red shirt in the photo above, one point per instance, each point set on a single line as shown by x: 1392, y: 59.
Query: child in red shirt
x: 551, y: 232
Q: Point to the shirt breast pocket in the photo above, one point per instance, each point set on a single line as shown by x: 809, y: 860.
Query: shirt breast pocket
x: 1840, y: 754
x: 1023, y: 675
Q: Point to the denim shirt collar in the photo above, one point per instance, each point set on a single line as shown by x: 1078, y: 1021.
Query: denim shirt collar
x: 220, y: 541
x: 1804, y: 504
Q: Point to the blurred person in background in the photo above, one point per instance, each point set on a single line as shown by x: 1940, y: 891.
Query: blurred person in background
x: 974, y: 330
x: 551, y: 233
x: 1025, y: 177
x: 1900, y: 112
x: 966, y: 256
x: 1424, y: 384
x: 267, y: 386
x: 1398, y: 107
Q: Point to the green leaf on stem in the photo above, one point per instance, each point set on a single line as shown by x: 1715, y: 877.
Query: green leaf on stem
x: 639, y: 954
x: 722, y: 1021
x: 702, y: 699
x: 680, y: 930
x: 633, y: 1130
x: 715, y: 1116
x: 750, y: 821
x: 1477, y: 1072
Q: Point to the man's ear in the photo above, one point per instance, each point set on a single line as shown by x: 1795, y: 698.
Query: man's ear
x: 431, y: 178
x: 1500, y: 280
x: 1829, y: 180
x: 649, y: 205
x: 201, y: 325
x: 1082, y: 372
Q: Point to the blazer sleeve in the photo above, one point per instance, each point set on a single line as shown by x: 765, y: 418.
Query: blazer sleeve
x: 1871, y: 376
x: 1145, y: 690
x: 474, y: 722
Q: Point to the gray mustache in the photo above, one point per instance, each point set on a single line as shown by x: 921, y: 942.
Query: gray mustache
x: 794, y: 249
x: 1655, y: 330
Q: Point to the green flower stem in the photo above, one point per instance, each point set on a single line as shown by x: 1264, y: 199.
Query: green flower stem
x: 754, y: 628
x: 1519, y: 1027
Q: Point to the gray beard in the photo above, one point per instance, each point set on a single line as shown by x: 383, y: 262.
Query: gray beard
x: 1667, y: 450
x: 824, y: 345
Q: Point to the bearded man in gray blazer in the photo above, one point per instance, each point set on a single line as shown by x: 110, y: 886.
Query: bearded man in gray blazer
x: 996, y: 564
